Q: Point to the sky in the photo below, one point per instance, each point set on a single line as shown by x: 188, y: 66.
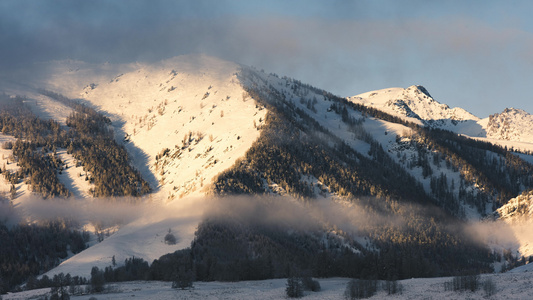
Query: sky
x: 477, y: 55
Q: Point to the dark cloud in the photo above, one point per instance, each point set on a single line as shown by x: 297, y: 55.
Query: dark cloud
x: 347, y: 47
x: 100, y: 30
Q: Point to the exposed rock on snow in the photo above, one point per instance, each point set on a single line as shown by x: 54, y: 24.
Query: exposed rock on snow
x: 512, y: 125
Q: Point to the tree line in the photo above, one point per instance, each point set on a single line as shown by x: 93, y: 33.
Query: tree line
x: 29, y: 250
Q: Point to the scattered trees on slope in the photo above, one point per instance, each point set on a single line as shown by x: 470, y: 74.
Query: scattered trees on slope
x: 89, y: 140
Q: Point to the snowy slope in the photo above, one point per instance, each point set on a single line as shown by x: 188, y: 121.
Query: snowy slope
x: 42, y: 106
x: 191, y: 105
x: 182, y: 120
x: 142, y: 235
x: 513, y: 128
x: 395, y: 138
x: 153, y: 107
x: 67, y: 77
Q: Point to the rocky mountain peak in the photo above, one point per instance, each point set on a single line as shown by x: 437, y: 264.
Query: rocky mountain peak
x: 511, y: 124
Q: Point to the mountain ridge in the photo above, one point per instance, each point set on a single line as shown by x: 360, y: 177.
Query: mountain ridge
x: 201, y: 125
x: 415, y: 104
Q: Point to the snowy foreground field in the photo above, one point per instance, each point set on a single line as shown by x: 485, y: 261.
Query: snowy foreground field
x: 508, y: 286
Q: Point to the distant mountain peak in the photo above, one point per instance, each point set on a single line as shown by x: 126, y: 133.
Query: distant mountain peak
x: 514, y: 111
x: 415, y: 104
x: 511, y: 124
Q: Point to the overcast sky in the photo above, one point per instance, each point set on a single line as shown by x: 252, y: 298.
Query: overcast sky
x: 474, y: 54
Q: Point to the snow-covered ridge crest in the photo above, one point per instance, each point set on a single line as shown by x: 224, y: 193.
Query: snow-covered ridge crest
x: 414, y: 104
x: 511, y: 124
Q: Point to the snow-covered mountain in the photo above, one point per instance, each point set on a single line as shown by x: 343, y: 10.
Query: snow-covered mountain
x: 414, y: 104
x: 511, y: 125
x: 196, y: 125
x: 188, y: 115
x: 183, y: 121
x: 511, y: 128
x: 189, y: 109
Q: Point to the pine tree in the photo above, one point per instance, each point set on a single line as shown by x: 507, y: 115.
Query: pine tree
x: 294, y: 287
x: 184, y: 278
x: 97, y: 280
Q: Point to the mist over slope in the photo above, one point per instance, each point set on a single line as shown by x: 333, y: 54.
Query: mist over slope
x: 196, y: 125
